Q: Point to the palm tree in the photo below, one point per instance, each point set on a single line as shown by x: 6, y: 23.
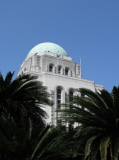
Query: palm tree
x: 98, y: 117
x: 15, y: 142
x: 43, y: 143
x: 55, y: 143
x: 23, y: 97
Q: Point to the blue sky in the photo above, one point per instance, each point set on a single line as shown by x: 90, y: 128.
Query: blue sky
x: 86, y: 28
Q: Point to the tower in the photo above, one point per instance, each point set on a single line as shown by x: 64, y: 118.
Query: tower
x: 51, y: 63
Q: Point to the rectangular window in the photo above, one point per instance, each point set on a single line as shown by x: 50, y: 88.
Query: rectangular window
x: 59, y: 96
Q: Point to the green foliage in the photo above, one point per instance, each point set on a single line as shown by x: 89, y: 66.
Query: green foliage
x: 23, y: 135
x: 43, y: 143
x: 98, y: 116
x: 22, y: 98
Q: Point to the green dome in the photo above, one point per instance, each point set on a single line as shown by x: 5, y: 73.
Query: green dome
x: 47, y: 47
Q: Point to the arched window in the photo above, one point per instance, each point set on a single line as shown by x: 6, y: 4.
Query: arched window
x: 59, y: 101
x: 71, y: 92
x: 70, y: 95
x: 59, y: 98
x: 66, y: 70
x: 59, y: 69
x: 50, y: 67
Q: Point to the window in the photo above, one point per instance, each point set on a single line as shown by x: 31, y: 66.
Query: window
x: 59, y: 69
x: 82, y: 95
x: 59, y: 101
x: 71, y: 93
x: 50, y: 67
x: 66, y: 71
x: 58, y: 98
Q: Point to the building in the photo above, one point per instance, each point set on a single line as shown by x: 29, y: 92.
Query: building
x: 51, y: 63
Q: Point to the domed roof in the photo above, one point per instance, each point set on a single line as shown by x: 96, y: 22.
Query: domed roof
x: 47, y: 47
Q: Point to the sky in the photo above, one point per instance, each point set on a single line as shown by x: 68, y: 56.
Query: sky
x: 84, y: 28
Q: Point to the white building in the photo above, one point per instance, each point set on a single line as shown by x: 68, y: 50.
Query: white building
x: 58, y: 72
